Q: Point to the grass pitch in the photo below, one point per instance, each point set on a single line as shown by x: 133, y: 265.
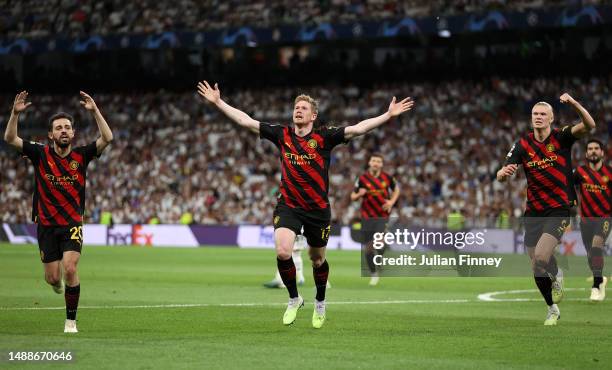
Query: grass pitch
x: 145, y: 308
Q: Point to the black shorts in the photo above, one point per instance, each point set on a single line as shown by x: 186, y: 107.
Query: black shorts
x: 53, y: 241
x: 371, y: 226
x: 316, y: 223
x: 551, y: 221
x: 589, y: 227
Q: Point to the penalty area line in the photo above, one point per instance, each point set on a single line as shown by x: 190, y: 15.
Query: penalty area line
x: 192, y: 305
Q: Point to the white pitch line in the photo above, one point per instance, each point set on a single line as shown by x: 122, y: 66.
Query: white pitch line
x: 490, y: 296
x: 189, y: 305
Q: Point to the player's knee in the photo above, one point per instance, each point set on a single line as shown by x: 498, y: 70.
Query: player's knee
x: 317, y: 260
x: 52, y: 279
x: 540, y: 262
x: 284, y: 249
x: 70, y: 270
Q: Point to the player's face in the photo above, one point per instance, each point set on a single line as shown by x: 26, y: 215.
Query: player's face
x: 594, y: 153
x: 62, y: 132
x: 541, y: 116
x: 303, y: 113
x: 375, y: 164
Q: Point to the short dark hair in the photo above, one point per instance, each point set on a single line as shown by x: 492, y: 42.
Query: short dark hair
x: 597, y: 141
x: 57, y: 116
x: 378, y: 155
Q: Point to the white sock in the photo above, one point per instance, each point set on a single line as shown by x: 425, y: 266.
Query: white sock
x: 299, y: 265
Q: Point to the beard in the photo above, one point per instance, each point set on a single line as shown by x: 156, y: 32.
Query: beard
x: 594, y: 159
x: 61, y: 144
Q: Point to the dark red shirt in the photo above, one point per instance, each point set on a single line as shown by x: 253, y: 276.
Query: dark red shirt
x: 594, y: 190
x: 59, y: 193
x: 304, y: 163
x: 379, y: 189
x: 548, y: 168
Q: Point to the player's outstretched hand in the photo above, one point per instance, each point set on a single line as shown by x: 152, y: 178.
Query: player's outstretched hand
x: 395, y: 109
x: 566, y: 98
x: 87, y: 101
x: 213, y: 95
x: 507, y: 171
x: 19, y: 105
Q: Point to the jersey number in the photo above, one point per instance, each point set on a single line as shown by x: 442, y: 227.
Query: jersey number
x: 77, y: 233
x: 325, y: 233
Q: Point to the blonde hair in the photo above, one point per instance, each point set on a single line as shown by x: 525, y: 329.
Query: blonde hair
x: 307, y: 98
x: 545, y: 104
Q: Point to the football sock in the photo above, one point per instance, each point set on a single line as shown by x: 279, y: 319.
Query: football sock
x: 320, y: 275
x: 545, y: 286
x: 597, y: 264
x: 71, y: 297
x: 286, y: 269
x: 369, y: 256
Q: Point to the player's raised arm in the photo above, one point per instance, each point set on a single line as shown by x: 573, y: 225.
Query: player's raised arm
x: 213, y: 95
x: 586, y: 123
x: 395, y: 109
x: 106, y: 135
x: 19, y: 105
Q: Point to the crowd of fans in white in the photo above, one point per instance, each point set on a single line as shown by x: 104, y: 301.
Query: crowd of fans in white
x: 173, y: 153
x: 77, y: 18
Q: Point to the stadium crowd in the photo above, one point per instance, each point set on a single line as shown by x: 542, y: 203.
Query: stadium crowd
x: 174, y: 154
x: 76, y: 18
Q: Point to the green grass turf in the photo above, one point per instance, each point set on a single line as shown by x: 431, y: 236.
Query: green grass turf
x: 472, y: 334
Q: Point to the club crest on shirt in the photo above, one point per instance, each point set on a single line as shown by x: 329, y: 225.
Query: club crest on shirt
x: 74, y: 165
x: 605, y: 179
x: 384, y: 184
x: 550, y: 147
x: 312, y: 144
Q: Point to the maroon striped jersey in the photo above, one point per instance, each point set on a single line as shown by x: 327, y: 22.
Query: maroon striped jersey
x: 304, y: 163
x: 548, y: 168
x: 595, y: 193
x: 379, y: 189
x: 59, y: 193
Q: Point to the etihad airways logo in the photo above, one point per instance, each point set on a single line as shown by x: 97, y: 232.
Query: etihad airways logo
x: 543, y: 163
x: 300, y: 156
x: 375, y: 192
x: 61, y: 180
x: 300, y: 159
x: 595, y: 188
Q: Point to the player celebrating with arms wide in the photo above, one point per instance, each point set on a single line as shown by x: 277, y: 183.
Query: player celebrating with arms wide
x: 545, y: 155
x: 305, y: 151
x: 595, y: 193
x: 59, y: 195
